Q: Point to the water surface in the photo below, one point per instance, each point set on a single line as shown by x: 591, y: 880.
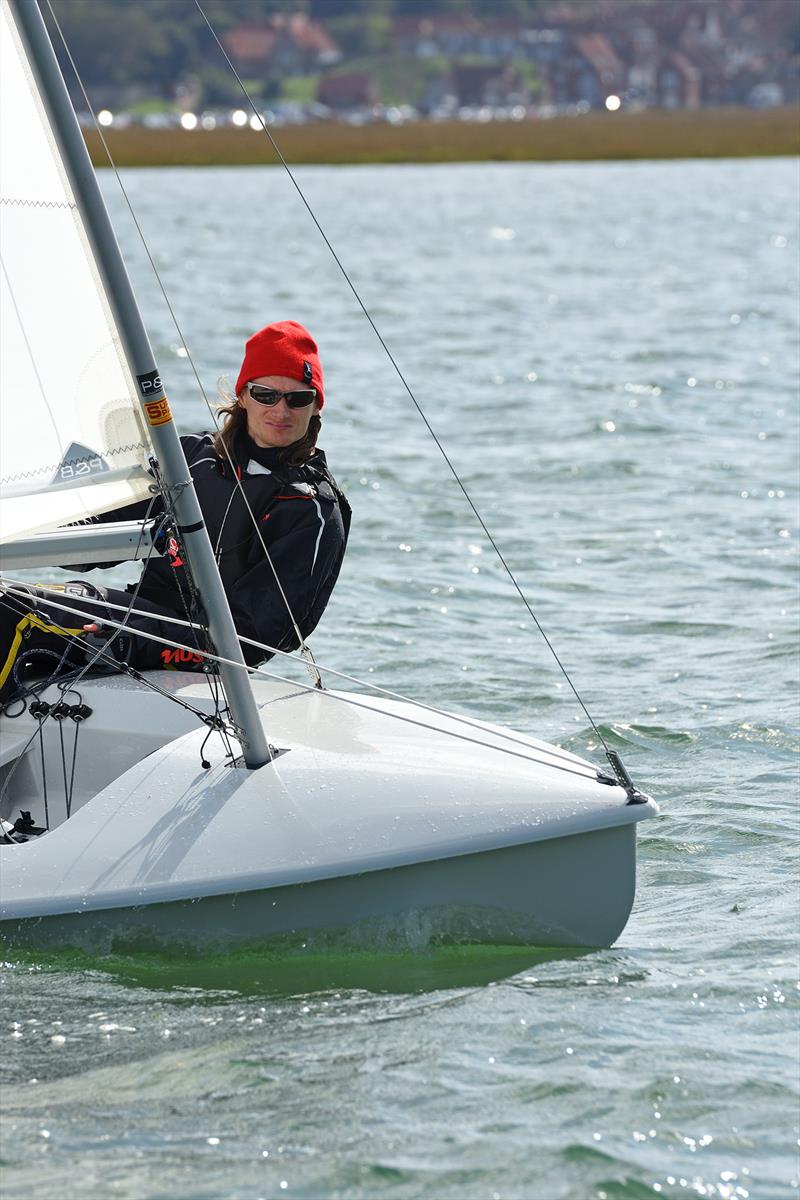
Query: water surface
x: 609, y: 354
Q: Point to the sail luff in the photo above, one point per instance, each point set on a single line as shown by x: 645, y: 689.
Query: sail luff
x: 70, y: 411
x: 144, y: 370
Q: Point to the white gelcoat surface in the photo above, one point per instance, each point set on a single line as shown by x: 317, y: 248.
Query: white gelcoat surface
x: 356, y: 790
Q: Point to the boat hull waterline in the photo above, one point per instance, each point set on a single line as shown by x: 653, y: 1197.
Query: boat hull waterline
x: 539, y: 894
x: 366, y: 828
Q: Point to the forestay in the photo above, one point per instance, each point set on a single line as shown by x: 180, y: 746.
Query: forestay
x: 72, y: 440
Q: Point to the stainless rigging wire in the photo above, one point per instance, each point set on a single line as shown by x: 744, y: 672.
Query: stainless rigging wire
x: 68, y: 683
x: 345, y: 698
x: 16, y: 587
x: 100, y: 654
x: 304, y: 648
x: 65, y: 683
x: 259, y: 116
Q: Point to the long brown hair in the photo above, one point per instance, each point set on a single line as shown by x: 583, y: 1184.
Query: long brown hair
x: 236, y: 419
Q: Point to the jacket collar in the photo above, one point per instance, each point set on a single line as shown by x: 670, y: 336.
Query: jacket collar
x: 249, y: 459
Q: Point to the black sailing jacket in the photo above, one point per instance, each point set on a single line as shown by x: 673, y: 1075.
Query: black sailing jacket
x: 304, y: 519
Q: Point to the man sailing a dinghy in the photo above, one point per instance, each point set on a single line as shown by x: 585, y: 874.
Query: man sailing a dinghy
x: 277, y: 521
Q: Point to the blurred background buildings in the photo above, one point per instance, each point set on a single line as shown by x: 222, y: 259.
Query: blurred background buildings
x: 398, y: 60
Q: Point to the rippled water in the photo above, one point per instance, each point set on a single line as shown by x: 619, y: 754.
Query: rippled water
x: 609, y: 354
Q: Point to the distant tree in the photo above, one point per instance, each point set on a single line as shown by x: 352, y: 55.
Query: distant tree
x: 118, y: 42
x: 518, y: 10
x: 328, y: 10
x: 224, y: 14
x: 219, y: 88
x: 153, y: 46
x: 358, y: 34
x: 486, y: 10
x: 110, y: 44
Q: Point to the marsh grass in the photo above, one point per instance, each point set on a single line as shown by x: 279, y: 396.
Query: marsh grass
x: 710, y: 133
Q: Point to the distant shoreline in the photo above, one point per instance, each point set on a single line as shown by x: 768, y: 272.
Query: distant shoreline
x: 653, y: 134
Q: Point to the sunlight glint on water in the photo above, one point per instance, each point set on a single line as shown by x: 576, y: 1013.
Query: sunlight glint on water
x: 609, y: 353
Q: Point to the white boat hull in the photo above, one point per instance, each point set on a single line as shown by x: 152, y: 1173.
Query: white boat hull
x: 575, y: 891
x: 367, y: 828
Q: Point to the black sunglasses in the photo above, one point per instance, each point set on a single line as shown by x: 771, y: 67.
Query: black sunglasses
x: 268, y: 396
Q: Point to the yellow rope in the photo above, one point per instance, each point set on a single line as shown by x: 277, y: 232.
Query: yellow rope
x: 30, y: 620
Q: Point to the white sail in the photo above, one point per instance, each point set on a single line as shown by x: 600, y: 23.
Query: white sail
x: 72, y: 439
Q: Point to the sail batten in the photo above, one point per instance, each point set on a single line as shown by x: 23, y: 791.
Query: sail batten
x: 71, y: 429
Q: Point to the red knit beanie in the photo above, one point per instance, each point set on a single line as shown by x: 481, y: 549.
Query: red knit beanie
x: 285, y: 348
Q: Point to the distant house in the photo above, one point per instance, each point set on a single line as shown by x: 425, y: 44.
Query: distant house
x: 449, y: 34
x: 501, y: 40
x: 605, y: 65
x: 439, y: 96
x: 542, y: 46
x: 679, y: 83
x: 249, y: 45
x: 643, y: 62
x: 671, y: 53
x: 284, y: 44
x: 497, y: 84
x: 303, y: 42
x: 788, y: 76
x: 587, y: 70
x: 716, y: 77
x: 352, y: 89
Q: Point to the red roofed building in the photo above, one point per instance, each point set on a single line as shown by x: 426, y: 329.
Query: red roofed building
x: 587, y: 70
x: 249, y: 44
x: 284, y: 44
x: 608, y: 67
